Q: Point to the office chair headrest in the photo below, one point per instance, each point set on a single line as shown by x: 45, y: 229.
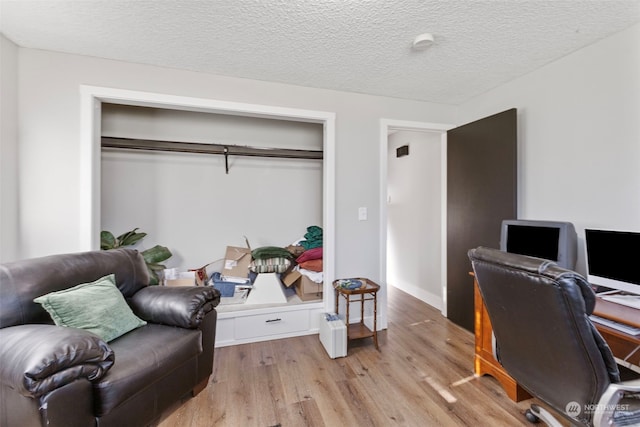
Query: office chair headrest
x: 538, y: 266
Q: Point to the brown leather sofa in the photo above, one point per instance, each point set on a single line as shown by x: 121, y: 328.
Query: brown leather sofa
x: 58, y: 376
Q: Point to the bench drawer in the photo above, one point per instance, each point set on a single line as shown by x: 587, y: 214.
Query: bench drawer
x: 271, y: 324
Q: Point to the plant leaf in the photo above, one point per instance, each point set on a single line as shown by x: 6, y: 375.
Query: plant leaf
x: 107, y: 241
x: 153, y: 277
x: 156, y: 254
x: 130, y: 237
x: 156, y: 267
x: 124, y: 236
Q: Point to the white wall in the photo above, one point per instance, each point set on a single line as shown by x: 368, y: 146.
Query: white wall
x: 49, y: 112
x: 579, y: 136
x: 578, y: 131
x: 414, y: 212
x: 189, y: 203
x: 9, y: 150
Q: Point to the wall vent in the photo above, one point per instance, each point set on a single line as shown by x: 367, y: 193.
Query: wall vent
x: 402, y: 151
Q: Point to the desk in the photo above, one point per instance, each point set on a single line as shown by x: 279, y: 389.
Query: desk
x: 623, y: 346
x: 367, y: 292
x: 484, y: 363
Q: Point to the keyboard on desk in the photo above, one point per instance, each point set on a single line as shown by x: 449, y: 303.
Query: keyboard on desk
x: 627, y: 329
x: 632, y: 301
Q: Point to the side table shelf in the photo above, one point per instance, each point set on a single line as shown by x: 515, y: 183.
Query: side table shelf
x: 367, y: 292
x: 358, y: 330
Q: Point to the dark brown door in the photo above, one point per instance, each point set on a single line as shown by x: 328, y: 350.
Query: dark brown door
x: 481, y: 192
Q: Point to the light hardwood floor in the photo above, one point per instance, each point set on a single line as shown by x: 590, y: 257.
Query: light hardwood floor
x: 421, y: 376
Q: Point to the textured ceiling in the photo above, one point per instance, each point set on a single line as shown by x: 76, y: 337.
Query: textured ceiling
x: 357, y: 46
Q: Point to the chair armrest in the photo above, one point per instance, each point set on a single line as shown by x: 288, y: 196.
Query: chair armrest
x: 183, y: 306
x: 612, y: 406
x: 36, y: 359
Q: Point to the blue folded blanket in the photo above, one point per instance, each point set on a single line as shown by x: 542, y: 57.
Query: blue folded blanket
x: 349, y: 284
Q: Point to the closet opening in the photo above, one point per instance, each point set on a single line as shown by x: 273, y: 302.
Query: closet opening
x: 186, y: 200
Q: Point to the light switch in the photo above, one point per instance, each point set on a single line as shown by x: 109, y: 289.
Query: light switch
x: 362, y: 214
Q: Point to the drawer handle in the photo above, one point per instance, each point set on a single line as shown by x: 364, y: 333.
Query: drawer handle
x: 273, y: 320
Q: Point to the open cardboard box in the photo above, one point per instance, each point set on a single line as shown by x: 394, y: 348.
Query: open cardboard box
x: 306, y: 289
x: 236, y: 262
x: 180, y: 282
x: 186, y: 278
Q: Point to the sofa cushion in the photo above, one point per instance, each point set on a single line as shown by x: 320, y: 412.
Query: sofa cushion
x: 97, y: 307
x: 142, y: 358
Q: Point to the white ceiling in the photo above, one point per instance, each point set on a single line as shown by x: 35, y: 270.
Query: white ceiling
x: 361, y: 46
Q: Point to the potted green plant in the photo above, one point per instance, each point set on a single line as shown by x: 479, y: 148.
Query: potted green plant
x: 152, y: 256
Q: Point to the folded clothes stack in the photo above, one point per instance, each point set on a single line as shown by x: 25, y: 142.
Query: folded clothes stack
x: 312, y: 238
x: 309, y: 263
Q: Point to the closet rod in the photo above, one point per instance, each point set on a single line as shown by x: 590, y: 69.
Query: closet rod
x: 194, y: 147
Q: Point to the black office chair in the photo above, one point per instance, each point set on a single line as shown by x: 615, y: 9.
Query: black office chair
x: 546, y: 342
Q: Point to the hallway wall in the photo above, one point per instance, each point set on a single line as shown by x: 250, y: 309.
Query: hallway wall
x: 414, y: 215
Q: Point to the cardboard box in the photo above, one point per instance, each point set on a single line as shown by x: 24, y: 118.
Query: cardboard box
x: 174, y: 278
x: 307, y: 289
x: 290, y: 278
x: 180, y: 282
x: 236, y: 262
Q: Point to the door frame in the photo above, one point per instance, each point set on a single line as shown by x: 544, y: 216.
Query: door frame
x: 92, y: 98
x: 387, y: 125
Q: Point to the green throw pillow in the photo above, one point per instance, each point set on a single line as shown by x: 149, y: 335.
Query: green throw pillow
x: 97, y: 307
x: 267, y: 252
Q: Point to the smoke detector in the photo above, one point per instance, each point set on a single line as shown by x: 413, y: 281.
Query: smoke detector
x: 423, y: 41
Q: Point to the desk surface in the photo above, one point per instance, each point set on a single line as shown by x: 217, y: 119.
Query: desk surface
x: 624, y: 346
x: 618, y: 312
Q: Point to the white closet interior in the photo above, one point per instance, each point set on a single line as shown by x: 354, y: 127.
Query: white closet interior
x: 188, y: 202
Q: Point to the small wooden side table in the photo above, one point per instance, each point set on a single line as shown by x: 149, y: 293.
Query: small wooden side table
x: 367, y: 292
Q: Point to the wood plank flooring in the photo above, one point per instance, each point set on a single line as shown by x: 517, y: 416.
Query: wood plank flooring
x: 421, y: 376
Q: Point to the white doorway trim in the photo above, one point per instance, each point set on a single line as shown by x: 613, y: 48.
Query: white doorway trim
x: 387, y: 125
x: 92, y: 98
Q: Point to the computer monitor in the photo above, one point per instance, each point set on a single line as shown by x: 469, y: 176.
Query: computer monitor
x: 553, y: 240
x: 612, y: 259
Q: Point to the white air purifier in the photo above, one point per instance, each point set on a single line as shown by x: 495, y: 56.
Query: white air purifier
x: 333, y: 335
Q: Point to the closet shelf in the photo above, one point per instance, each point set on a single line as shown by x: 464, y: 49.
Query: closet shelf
x: 201, y: 148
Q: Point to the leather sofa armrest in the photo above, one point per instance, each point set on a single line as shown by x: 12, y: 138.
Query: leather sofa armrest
x: 36, y: 358
x: 183, y: 306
